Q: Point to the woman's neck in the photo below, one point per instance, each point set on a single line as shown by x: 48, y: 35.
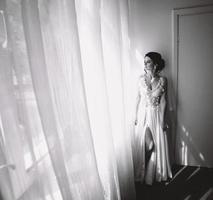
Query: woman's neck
x: 151, y: 75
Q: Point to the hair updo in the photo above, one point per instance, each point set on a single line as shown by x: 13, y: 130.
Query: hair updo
x: 157, y: 60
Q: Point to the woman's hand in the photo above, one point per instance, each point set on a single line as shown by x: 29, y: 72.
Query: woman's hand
x: 164, y: 126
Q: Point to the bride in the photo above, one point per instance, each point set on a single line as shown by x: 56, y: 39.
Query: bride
x: 151, y: 158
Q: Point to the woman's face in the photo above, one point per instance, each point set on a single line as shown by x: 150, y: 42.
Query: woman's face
x: 148, y: 63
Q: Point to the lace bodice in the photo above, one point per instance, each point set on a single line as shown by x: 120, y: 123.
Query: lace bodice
x: 153, y: 96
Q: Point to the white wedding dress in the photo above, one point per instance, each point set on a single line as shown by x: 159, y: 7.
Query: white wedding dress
x: 149, y: 115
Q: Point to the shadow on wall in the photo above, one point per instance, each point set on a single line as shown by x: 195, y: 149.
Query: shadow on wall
x: 188, y: 151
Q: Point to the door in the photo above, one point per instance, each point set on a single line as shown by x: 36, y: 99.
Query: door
x: 194, y: 86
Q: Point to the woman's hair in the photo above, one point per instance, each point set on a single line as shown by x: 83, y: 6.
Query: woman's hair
x: 157, y: 60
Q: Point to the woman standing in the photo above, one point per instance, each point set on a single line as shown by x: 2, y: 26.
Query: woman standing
x: 151, y: 158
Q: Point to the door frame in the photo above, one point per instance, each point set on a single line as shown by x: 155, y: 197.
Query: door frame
x: 176, y: 14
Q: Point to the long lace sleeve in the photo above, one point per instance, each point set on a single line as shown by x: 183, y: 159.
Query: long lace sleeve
x: 162, y: 88
x: 162, y: 93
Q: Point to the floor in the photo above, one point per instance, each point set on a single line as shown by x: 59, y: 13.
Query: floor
x: 188, y: 183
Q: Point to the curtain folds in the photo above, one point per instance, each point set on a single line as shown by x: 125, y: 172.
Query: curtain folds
x: 64, y: 123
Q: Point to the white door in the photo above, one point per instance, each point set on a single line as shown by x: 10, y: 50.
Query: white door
x: 194, y: 130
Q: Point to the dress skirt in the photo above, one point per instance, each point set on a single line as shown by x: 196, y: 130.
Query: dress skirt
x: 158, y: 167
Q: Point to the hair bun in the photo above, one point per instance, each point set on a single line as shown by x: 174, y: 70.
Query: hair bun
x: 157, y: 59
x: 161, y: 64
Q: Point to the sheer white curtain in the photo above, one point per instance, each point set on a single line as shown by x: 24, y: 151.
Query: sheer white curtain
x: 65, y: 128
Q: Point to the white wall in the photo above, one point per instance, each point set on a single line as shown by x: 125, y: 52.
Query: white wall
x: 151, y: 25
x: 151, y: 30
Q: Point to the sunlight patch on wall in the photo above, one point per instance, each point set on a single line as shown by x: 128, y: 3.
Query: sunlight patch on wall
x: 201, y: 156
x: 184, y: 153
x: 2, y: 131
x: 3, y: 30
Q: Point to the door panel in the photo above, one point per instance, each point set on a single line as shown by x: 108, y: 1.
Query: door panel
x: 195, y: 90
